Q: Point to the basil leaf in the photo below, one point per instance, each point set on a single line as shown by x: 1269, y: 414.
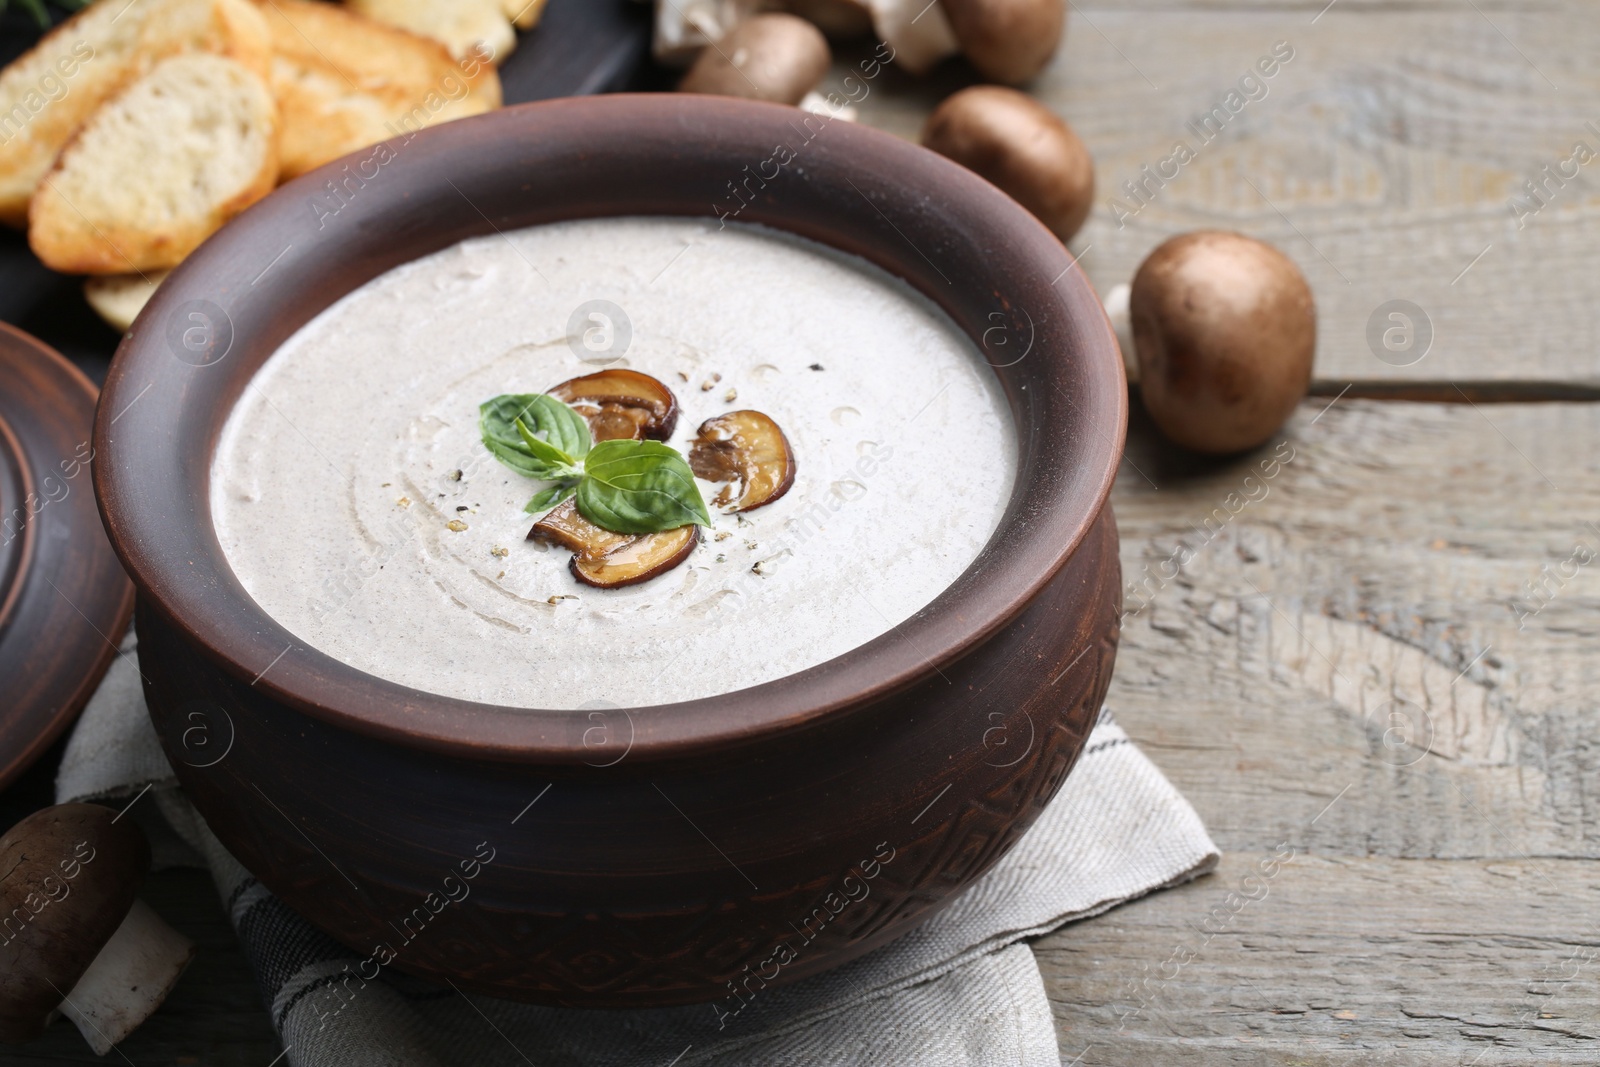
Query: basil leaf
x: 639, y: 487
x: 497, y: 418
x: 562, y: 426
x: 566, y: 434
x: 545, y: 499
x: 518, y: 459
x: 558, y: 461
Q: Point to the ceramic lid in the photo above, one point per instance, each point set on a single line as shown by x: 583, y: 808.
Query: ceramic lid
x: 64, y: 600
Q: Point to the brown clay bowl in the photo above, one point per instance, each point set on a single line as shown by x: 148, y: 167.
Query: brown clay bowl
x: 668, y: 850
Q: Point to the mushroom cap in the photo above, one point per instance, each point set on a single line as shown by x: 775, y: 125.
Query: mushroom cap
x: 1007, y: 41
x: 776, y: 57
x: 1021, y: 146
x: 70, y: 876
x: 1225, y: 328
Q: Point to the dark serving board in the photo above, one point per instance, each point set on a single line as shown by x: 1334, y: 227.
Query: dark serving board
x: 580, y: 47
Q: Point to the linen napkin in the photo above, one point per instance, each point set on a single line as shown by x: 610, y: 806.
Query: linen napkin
x: 961, y: 989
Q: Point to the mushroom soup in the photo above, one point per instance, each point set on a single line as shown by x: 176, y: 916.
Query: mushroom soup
x: 356, y: 500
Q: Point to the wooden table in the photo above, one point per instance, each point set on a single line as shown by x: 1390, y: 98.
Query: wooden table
x: 1380, y: 661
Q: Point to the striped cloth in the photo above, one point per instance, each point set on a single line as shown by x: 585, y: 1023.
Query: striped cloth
x: 962, y: 989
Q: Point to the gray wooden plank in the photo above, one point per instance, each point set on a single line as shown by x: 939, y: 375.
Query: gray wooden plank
x: 1382, y: 158
x: 1401, y: 615
x: 1439, y: 907
x: 1338, y: 962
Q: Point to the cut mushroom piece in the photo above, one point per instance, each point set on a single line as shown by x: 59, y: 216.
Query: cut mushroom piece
x: 73, y: 923
x: 566, y: 527
x: 609, y: 560
x: 644, y: 557
x: 621, y: 405
x: 747, y: 447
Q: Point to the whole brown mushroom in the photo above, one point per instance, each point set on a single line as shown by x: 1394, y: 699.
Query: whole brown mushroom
x: 1225, y: 328
x: 777, y: 58
x: 1020, y: 145
x: 74, y: 938
x: 1008, y: 41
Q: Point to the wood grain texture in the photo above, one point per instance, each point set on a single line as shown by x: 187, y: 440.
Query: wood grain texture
x: 1338, y: 962
x: 1404, y: 557
x: 1404, y: 553
x: 1382, y: 159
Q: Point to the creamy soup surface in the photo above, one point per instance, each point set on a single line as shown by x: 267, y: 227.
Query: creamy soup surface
x: 356, y: 503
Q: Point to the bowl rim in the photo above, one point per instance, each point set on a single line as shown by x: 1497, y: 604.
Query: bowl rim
x: 64, y: 603
x: 273, y: 268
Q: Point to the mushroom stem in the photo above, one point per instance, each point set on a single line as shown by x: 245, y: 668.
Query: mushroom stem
x: 684, y: 27
x: 920, y: 33
x: 1117, y: 311
x: 128, y: 980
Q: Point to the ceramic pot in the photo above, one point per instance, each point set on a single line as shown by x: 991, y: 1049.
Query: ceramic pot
x: 651, y: 855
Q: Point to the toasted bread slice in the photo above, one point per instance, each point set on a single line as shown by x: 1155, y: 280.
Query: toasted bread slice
x: 48, y: 93
x: 157, y: 169
x: 118, y: 298
x: 524, y: 14
x: 362, y: 82
x: 232, y: 28
x: 462, y: 26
